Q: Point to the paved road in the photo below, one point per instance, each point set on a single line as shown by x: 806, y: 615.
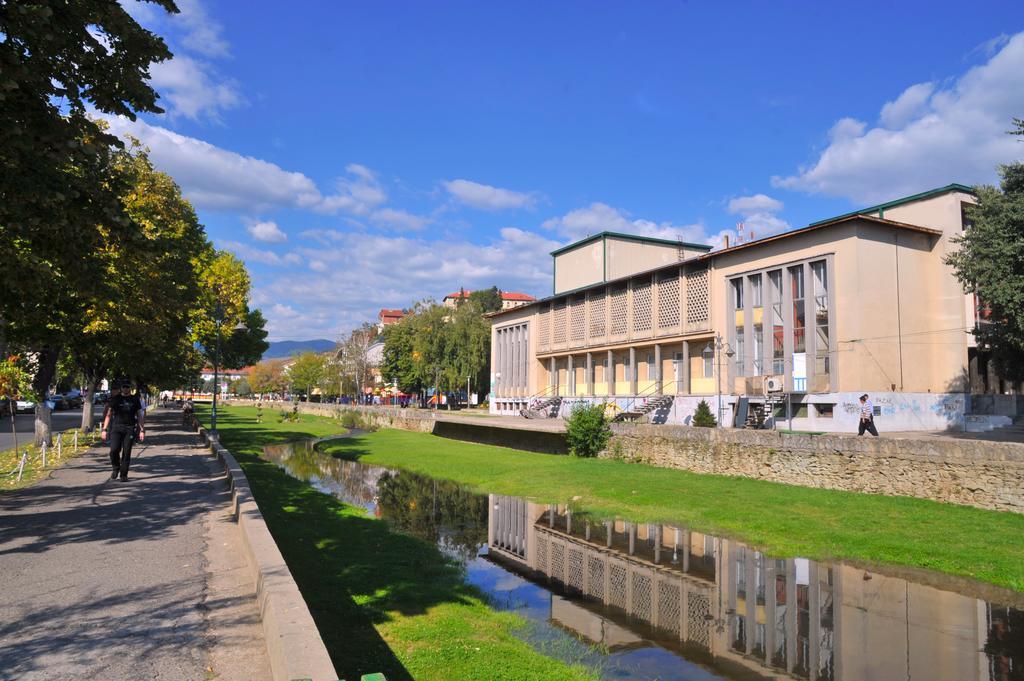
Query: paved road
x: 101, y: 579
x: 25, y: 424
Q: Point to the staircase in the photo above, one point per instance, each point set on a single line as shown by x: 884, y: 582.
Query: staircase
x: 756, y: 413
x: 543, y: 405
x: 636, y: 412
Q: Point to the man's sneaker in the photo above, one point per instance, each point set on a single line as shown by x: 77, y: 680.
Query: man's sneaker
x: 124, y: 477
x: 113, y: 476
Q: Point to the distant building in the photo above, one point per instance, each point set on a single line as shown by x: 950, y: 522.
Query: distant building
x: 388, y: 317
x: 509, y: 299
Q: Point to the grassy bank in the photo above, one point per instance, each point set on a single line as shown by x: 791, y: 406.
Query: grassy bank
x: 382, y: 601
x: 782, y: 520
x: 34, y: 470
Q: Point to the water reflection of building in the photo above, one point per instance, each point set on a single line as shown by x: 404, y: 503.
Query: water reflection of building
x: 741, y: 613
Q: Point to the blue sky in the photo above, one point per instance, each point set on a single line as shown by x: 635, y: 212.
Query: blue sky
x: 368, y: 155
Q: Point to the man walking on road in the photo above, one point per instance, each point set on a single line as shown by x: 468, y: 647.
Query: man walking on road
x: 123, y: 416
x: 867, y: 416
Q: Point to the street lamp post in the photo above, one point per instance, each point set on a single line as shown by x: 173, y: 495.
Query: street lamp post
x: 719, y: 346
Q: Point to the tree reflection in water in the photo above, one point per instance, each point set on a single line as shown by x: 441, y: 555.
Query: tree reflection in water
x: 438, y: 511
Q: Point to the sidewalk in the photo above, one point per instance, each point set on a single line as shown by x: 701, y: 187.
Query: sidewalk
x: 141, y: 579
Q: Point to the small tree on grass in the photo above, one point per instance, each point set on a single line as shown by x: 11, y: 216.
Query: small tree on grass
x: 586, y: 430
x: 702, y: 418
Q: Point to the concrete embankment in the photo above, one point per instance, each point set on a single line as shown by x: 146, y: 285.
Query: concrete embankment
x: 294, y: 645
x: 984, y: 474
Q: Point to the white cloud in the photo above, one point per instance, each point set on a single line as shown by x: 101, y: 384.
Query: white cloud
x: 266, y: 231
x: 262, y: 256
x: 215, y: 178
x: 486, y: 197
x: 599, y: 217
x: 907, y: 106
x: 758, y: 203
x: 928, y: 136
x: 202, y: 34
x: 190, y: 88
x: 398, y: 219
x: 358, y: 194
x: 758, y: 213
x: 380, y: 270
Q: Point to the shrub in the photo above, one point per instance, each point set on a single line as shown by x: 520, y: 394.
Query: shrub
x: 702, y: 418
x: 586, y: 430
x: 349, y: 419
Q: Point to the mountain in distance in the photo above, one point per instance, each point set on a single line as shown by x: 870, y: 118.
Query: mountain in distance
x: 281, y: 349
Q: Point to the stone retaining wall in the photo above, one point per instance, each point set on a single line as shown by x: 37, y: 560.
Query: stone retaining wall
x: 983, y: 474
x: 973, y: 472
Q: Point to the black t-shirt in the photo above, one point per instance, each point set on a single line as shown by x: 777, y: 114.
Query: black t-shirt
x: 124, y: 410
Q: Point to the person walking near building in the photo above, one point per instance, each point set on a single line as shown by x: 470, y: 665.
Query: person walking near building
x: 867, y: 416
x: 124, y: 419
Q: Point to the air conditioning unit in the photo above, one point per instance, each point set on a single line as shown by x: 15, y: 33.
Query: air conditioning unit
x: 774, y: 384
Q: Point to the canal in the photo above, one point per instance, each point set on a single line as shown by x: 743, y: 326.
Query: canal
x: 658, y: 601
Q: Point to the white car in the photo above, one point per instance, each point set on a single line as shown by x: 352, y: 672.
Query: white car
x: 24, y: 406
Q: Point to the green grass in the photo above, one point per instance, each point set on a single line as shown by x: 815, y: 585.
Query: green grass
x: 34, y: 470
x: 382, y: 601
x: 782, y: 520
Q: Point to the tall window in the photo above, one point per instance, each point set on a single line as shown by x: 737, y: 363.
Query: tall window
x: 737, y: 294
x: 778, y: 334
x: 757, y: 323
x: 821, y: 353
x: 708, y: 355
x: 739, y: 325
x: 796, y: 278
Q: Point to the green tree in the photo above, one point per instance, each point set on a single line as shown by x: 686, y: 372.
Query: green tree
x: 306, y: 372
x: 586, y: 430
x: 399, y: 365
x: 487, y: 300
x: 58, y: 199
x: 268, y: 377
x: 702, y: 417
x: 136, y: 321
x: 240, y: 386
x: 990, y: 263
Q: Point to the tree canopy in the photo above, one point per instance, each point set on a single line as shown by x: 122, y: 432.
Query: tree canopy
x: 990, y: 262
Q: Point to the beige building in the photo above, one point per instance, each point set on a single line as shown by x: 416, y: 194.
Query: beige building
x: 794, y: 326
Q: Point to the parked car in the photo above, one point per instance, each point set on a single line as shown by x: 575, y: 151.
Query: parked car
x: 5, y: 407
x: 22, y: 406
x: 100, y: 397
x: 74, y: 398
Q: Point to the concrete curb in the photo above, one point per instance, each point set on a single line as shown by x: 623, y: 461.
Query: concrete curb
x: 294, y: 645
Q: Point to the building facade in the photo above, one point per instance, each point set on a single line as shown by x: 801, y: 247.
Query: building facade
x: 791, y: 327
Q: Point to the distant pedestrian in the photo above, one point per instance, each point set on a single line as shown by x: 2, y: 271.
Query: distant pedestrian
x: 867, y: 416
x: 259, y: 412
x: 124, y: 419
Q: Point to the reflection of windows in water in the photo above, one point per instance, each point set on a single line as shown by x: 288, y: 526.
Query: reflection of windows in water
x: 739, y: 633
x: 1004, y: 643
x: 803, y: 631
x: 779, y: 654
x: 826, y: 641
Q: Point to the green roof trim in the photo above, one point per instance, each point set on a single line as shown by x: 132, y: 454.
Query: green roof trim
x: 630, y: 237
x: 880, y: 208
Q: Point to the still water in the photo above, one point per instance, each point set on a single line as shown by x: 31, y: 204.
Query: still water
x: 657, y: 601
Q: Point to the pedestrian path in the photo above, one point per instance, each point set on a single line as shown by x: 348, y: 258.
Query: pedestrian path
x: 141, y: 579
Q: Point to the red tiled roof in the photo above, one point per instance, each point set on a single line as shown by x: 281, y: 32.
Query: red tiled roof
x: 511, y: 295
